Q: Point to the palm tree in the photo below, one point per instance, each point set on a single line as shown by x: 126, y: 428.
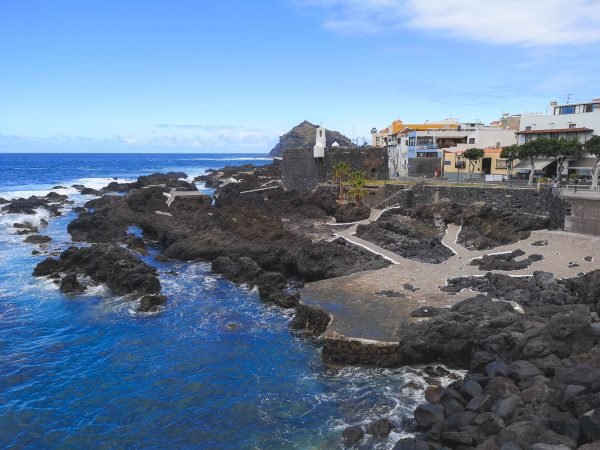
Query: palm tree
x: 341, y: 169
x: 357, y: 186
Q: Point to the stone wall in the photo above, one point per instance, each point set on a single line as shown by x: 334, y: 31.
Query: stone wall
x: 302, y: 172
x: 585, y: 215
x: 423, y: 167
x: 524, y: 201
x: 299, y: 170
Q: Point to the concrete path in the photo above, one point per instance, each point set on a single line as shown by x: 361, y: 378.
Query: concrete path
x: 373, y: 305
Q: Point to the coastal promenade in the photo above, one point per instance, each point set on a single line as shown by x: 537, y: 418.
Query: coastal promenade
x: 372, y: 306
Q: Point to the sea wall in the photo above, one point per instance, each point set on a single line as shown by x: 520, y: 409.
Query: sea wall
x: 300, y: 171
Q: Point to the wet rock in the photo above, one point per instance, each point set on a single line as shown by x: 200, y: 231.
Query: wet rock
x: 89, y: 191
x: 410, y: 444
x: 37, y: 239
x: 588, y: 258
x: 151, y: 303
x: 380, y: 428
x: 106, y: 264
x: 352, y: 435
x: 433, y: 394
x: 47, y: 267
x: 310, y: 320
x: 409, y: 424
x: 71, y: 285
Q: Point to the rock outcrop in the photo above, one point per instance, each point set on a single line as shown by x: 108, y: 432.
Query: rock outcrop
x: 107, y: 264
x: 303, y: 135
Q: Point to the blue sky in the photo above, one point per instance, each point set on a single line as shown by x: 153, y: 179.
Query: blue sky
x: 233, y: 75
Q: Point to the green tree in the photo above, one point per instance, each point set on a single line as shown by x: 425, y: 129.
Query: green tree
x: 357, y: 186
x: 473, y: 155
x: 592, y: 147
x: 341, y: 169
x: 562, y: 150
x: 541, y: 147
x: 510, y: 154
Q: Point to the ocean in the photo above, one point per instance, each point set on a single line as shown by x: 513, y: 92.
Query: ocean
x: 215, y: 369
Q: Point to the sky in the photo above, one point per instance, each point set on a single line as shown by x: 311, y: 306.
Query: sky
x: 233, y: 75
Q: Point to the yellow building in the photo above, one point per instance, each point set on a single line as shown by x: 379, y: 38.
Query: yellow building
x: 398, y: 126
x: 490, y: 164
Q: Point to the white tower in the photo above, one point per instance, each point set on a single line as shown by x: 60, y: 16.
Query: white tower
x: 321, y: 141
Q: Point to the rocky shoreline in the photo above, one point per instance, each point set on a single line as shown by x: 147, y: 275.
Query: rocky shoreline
x: 530, y: 344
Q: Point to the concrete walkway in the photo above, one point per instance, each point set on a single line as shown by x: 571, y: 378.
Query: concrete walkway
x: 373, y: 305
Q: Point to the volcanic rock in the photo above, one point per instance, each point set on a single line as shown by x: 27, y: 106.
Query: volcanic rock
x: 352, y: 212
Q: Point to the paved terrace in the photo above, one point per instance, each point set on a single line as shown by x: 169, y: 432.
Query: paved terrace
x: 361, y: 308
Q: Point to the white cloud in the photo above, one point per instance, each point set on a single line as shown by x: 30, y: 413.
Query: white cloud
x: 163, y: 136
x: 531, y: 23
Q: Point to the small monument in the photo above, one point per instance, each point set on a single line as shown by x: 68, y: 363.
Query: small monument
x: 321, y: 141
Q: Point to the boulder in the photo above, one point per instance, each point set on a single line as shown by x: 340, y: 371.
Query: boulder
x: 352, y: 212
x: 523, y: 434
x: 410, y: 444
x: 380, y: 428
x: 428, y: 414
x: 490, y: 423
x: 37, y: 239
x: 71, y: 285
x: 151, y: 303
x: 590, y: 425
x: 352, y: 435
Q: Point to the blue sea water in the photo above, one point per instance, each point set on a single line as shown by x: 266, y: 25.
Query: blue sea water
x: 215, y: 369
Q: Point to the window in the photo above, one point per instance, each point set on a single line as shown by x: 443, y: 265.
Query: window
x: 471, y: 140
x: 572, y: 125
x: 426, y: 155
x: 528, y: 138
x: 567, y: 109
x: 411, y: 141
x: 447, y: 163
x: 500, y: 164
x: 528, y: 128
x: 424, y: 140
x: 589, y: 107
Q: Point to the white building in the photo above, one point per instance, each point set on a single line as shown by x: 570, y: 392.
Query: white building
x: 578, y: 121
